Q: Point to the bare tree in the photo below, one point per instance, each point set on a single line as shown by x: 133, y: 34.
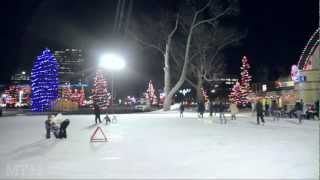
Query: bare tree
x: 217, y: 10
x: 161, y: 39
x: 209, y: 64
x: 161, y: 42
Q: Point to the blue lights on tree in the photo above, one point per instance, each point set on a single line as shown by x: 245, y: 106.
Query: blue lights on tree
x: 44, y: 81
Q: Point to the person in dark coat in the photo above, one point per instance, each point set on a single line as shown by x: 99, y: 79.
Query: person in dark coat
x: 107, y: 118
x: 97, y: 112
x: 181, y: 108
x: 266, y: 109
x: 259, y: 109
x: 201, y: 109
x: 316, y: 105
x: 222, y: 108
x: 299, y: 110
x: 63, y: 128
x: 211, y: 108
x: 48, y: 126
x: 275, y: 112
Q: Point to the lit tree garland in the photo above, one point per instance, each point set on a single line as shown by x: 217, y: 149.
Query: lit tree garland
x: 100, y: 91
x: 151, y: 95
x: 245, y: 81
x: 82, y: 97
x: 205, y: 95
x: 241, y: 90
x: 66, y: 92
x: 44, y: 81
x: 235, y: 95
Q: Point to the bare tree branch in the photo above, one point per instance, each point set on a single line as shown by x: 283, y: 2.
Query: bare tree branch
x: 144, y: 43
x: 191, y: 83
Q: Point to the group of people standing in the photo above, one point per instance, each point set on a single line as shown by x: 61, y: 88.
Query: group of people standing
x: 214, y: 107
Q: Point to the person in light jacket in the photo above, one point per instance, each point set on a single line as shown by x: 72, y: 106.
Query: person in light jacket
x: 59, y: 126
x: 234, y: 110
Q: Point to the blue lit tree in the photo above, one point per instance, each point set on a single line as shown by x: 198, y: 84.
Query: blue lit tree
x: 44, y: 81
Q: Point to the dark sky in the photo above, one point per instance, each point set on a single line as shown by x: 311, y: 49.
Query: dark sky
x: 277, y: 33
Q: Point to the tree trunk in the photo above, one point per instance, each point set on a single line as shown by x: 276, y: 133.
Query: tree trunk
x: 199, y: 87
x: 166, y: 69
x: 169, y: 96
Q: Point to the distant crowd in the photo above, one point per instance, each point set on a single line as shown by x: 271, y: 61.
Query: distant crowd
x: 300, y: 111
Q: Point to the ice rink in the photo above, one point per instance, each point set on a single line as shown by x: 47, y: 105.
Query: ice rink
x: 161, y: 145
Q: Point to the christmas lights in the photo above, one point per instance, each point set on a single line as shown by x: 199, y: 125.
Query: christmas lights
x: 101, y: 97
x: 241, y: 90
x: 151, y: 95
x: 44, y: 81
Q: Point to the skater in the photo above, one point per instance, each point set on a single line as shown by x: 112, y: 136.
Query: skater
x: 266, y: 109
x: 97, y: 112
x: 223, y: 119
x: 107, y: 118
x: 234, y: 110
x: 215, y: 108
x: 63, y: 128
x: 201, y: 109
x: 299, y: 110
x: 181, y: 110
x: 275, y: 112
x: 259, y: 109
x: 316, y: 105
x: 59, y: 126
x: 48, y: 126
x: 211, y: 108
x: 253, y: 107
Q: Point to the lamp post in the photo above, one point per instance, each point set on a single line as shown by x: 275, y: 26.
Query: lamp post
x: 112, y: 62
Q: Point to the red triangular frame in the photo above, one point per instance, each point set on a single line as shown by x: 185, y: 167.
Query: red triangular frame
x: 93, y: 139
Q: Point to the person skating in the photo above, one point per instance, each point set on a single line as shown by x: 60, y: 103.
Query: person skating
x: 201, y: 109
x: 253, y: 108
x: 275, y: 112
x: 234, y: 110
x: 211, y: 108
x: 181, y: 108
x: 299, y: 110
x: 63, y: 128
x: 59, y: 126
x: 223, y: 119
x: 48, y: 126
x: 316, y: 105
x: 266, y: 109
x: 107, y: 118
x: 259, y: 109
x: 97, y: 112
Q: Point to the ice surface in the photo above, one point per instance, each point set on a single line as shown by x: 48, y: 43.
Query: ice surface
x: 161, y: 145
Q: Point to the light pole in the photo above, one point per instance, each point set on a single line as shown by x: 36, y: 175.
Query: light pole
x: 113, y: 62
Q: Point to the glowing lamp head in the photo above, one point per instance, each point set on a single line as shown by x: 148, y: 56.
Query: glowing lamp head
x: 112, y: 61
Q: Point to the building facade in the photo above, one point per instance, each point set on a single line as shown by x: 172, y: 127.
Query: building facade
x: 71, y: 64
x: 308, y: 82
x: 20, y: 77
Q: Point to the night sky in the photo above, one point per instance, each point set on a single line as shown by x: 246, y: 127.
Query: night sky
x: 277, y: 32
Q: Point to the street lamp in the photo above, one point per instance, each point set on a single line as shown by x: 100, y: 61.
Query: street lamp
x: 113, y: 62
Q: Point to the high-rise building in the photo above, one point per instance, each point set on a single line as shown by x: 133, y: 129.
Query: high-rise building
x: 71, y: 64
x: 20, y: 77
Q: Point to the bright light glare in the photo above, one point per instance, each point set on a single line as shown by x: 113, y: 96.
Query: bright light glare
x: 112, y: 61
